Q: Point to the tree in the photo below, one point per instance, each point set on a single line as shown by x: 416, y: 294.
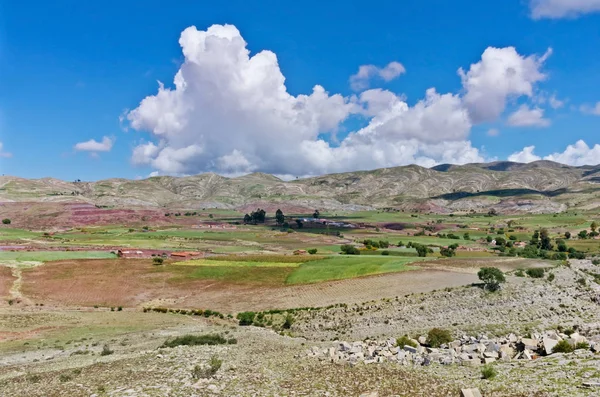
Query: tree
x: 279, y: 217
x: 247, y: 218
x: 492, y: 212
x: 466, y: 236
x: 561, y: 246
x: 157, y: 261
x: 437, y: 337
x: 535, y: 239
x: 594, y: 226
x: 316, y: 214
x: 421, y: 250
x: 447, y: 251
x: 545, y: 242
x: 312, y: 251
x: 349, y: 249
x: 567, y: 235
x: 258, y: 216
x: 6, y: 221
x: 583, y: 234
x: 492, y: 277
x: 299, y: 223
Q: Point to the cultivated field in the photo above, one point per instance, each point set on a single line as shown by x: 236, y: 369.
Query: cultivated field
x: 73, y: 291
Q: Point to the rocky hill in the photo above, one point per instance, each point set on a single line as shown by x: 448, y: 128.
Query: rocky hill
x: 540, y: 186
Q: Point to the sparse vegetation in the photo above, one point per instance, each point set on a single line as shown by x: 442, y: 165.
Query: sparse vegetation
x: 405, y: 341
x: 437, y: 337
x: 193, y: 340
x: 488, y: 372
x: 563, y: 347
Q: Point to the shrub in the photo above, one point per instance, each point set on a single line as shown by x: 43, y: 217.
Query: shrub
x: 582, y: 345
x: 157, y: 261
x: 385, y: 252
x: 551, y: 277
x: 289, y: 320
x: 349, y: 249
x: 64, y: 378
x: 535, y: 272
x: 6, y: 221
x: 563, y: 347
x: 488, y: 372
x: 194, y: 340
x: 106, y: 351
x: 596, y: 262
x: 214, y: 364
x: 437, y: 337
x: 405, y: 341
x: 492, y: 277
x: 520, y: 273
x: 312, y: 251
x: 246, y: 318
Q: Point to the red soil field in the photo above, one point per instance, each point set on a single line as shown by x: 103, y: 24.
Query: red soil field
x: 131, y: 283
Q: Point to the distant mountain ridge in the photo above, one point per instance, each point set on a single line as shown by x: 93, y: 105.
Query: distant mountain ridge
x: 541, y: 186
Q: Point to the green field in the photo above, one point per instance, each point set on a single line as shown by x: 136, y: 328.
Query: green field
x: 301, y: 271
x: 344, y: 267
x: 45, y: 256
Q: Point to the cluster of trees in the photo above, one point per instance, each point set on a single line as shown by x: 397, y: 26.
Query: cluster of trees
x: 349, y: 249
x: 449, y: 251
x: 376, y: 244
x: 255, y: 217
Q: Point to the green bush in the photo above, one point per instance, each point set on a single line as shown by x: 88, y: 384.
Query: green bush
x: 582, y: 346
x: 405, y: 341
x: 520, y: 273
x: 6, y: 221
x: 312, y: 251
x: 385, y: 252
x: 488, y: 372
x: 158, y: 261
x: 551, y: 277
x: 535, y: 272
x: 492, y: 277
x: 349, y: 249
x: 289, y: 320
x: 193, y: 340
x: 437, y: 337
x: 563, y: 347
x: 246, y: 318
x: 596, y: 262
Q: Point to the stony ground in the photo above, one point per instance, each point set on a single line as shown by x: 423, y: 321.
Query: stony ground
x: 265, y: 363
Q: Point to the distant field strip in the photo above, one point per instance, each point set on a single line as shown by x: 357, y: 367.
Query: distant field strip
x: 45, y: 256
x: 213, y: 263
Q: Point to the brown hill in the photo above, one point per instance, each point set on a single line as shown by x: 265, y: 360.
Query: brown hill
x: 541, y: 186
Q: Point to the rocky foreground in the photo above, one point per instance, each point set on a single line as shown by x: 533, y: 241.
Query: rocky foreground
x: 312, y: 359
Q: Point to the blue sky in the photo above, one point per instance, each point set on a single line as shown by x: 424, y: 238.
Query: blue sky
x: 69, y: 70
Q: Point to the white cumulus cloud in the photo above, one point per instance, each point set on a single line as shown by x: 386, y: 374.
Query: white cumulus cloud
x: 577, y: 154
x: 524, y: 156
x: 501, y: 74
x: 555, y: 9
x: 362, y: 78
x: 527, y: 117
x: 94, y: 146
x: 595, y: 109
x: 230, y: 112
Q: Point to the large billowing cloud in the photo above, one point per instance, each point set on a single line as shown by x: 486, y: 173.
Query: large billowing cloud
x: 230, y: 112
x: 501, y: 74
x: 562, y: 8
x: 577, y: 154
